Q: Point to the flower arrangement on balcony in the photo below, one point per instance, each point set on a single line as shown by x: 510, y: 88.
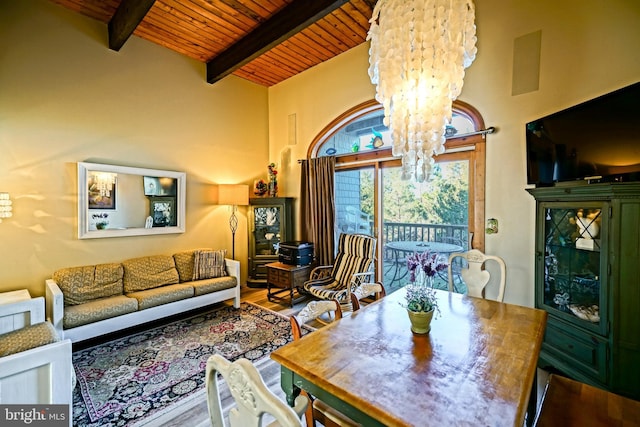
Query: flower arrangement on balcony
x: 425, y: 264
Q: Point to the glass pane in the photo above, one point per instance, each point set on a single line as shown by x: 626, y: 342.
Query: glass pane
x: 419, y: 217
x: 369, y: 133
x: 354, y: 201
x: 267, y: 230
x: 572, y: 262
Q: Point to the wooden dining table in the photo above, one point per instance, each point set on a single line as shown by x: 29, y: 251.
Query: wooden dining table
x: 476, y: 367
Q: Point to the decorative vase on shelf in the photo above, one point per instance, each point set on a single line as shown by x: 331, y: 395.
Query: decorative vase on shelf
x: 273, y: 188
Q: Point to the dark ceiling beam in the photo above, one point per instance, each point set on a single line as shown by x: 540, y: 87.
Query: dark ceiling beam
x: 124, y: 22
x: 288, y: 21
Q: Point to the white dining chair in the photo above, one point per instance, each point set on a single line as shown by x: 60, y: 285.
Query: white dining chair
x: 365, y: 290
x: 474, y: 276
x: 252, y: 396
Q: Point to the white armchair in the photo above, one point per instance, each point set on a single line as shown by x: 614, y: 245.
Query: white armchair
x: 35, y: 366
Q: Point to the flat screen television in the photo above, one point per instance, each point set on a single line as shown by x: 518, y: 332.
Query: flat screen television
x: 596, y: 141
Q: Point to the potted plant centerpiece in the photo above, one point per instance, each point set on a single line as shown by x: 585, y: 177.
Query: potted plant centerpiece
x: 421, y: 301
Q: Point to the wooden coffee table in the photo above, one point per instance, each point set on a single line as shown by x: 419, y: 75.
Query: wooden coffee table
x: 286, y: 278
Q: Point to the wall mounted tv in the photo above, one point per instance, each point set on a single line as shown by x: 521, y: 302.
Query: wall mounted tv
x: 596, y: 141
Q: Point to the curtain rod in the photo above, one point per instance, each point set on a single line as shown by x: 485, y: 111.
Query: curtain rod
x: 482, y: 132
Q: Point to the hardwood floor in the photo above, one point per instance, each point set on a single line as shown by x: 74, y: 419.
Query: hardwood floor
x: 259, y: 296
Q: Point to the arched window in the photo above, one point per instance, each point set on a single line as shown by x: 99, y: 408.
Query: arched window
x: 371, y: 198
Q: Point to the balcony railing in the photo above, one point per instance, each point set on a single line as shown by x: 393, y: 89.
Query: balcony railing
x: 394, y: 268
x: 398, y: 231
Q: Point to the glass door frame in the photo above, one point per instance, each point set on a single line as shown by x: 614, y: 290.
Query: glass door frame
x: 464, y: 147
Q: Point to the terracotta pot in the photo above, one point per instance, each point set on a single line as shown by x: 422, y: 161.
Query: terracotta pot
x: 420, y: 321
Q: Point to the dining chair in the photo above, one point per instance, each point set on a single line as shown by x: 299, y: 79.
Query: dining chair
x: 252, y: 397
x: 352, y: 266
x: 319, y: 410
x: 367, y: 290
x: 474, y: 276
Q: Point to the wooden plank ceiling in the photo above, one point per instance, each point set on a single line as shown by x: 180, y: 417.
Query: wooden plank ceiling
x: 264, y: 41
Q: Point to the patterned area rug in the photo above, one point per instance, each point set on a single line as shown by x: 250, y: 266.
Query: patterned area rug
x: 136, y: 379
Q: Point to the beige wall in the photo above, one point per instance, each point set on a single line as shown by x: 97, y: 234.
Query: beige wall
x: 65, y: 97
x: 588, y: 48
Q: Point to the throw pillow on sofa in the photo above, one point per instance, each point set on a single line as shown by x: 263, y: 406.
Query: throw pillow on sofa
x: 185, y: 262
x: 209, y: 264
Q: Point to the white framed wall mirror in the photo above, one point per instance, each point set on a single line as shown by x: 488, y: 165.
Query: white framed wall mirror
x: 119, y: 201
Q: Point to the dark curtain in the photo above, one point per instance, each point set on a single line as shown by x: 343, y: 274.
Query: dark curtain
x: 318, y: 206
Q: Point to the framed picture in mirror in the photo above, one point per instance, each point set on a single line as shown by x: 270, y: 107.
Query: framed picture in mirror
x: 163, y: 211
x: 160, y: 186
x: 101, y: 190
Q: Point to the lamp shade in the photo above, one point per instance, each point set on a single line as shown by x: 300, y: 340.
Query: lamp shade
x: 233, y: 194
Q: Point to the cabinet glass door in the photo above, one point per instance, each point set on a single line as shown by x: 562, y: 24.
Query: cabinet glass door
x: 267, y: 222
x: 573, y: 263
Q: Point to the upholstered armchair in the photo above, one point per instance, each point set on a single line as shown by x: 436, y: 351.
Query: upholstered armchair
x: 353, y: 266
x: 35, y: 365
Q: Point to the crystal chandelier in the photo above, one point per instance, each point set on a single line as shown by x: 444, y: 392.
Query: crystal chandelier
x: 419, y: 50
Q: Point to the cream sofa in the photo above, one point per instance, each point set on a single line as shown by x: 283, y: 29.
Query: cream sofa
x: 89, y: 301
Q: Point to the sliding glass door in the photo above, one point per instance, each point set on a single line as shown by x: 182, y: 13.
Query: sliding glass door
x: 405, y: 216
x: 423, y: 217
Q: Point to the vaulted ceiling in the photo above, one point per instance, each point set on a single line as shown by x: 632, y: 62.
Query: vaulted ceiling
x: 264, y: 41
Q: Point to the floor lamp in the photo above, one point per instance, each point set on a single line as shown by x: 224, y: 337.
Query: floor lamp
x: 233, y: 195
